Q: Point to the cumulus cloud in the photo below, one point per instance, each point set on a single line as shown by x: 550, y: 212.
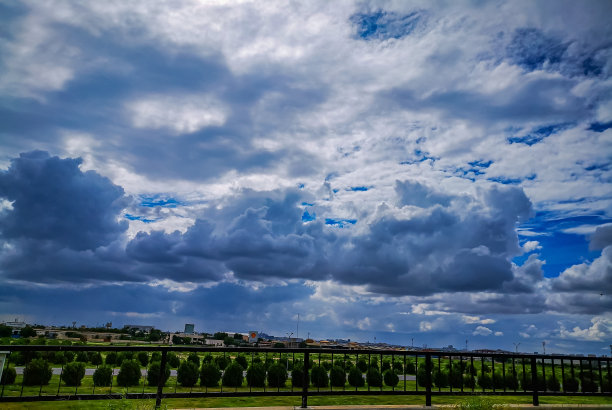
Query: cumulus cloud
x: 482, y: 331
x: 601, y: 329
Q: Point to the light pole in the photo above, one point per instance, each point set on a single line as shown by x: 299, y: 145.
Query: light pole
x: 516, y: 345
x: 544, y: 346
x: 466, y: 345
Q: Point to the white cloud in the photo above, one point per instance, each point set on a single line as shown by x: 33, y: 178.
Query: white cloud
x: 600, y: 330
x: 482, y: 331
x: 531, y: 246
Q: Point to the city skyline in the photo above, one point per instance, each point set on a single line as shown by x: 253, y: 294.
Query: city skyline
x: 382, y: 169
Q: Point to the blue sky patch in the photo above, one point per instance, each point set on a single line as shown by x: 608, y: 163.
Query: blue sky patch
x: 359, y: 188
x: 307, y: 216
x: 382, y: 25
x: 539, y: 134
x: 340, y: 223
x: 138, y: 218
x: 157, y: 200
x: 600, y: 126
x: 530, y: 48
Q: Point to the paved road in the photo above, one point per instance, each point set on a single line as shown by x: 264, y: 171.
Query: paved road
x: 90, y: 372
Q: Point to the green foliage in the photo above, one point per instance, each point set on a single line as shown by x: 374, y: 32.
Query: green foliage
x: 154, y: 372
x: 232, y: 377
x: 209, y: 375
x: 28, y: 331
x: 391, y: 378
x: 154, y: 336
x: 552, y: 383
x: 355, y: 377
x: 8, y: 375
x: 421, y: 376
x: 318, y: 376
x: 485, y: 381
x: 222, y: 362
x: 5, y: 331
x: 527, y: 384
x: 143, y: 358
x: 194, y: 358
x: 123, y: 356
x: 589, y: 385
x: 220, y: 336
x: 498, y: 380
x: 374, y: 362
x: 440, y: 378
x: 37, y: 372
x: 570, y: 384
x: 82, y: 357
x: 95, y: 358
x: 256, y: 375
x: 242, y: 361
x: 511, y: 381
x: 327, y: 365
x: 410, y: 367
x: 73, y: 373
x: 173, y: 360
x: 298, y: 377
x: 103, y: 376
x: 156, y: 357
x: 373, y: 377
x: 187, y: 374
x: 455, y: 377
x: 476, y: 403
x: 362, y: 365
x: 111, y: 358
x: 17, y: 358
x: 398, y: 367
x: 337, y: 376
x: 386, y: 365
x: 69, y: 356
x: 208, y: 358
x: 277, y: 375
x: 469, y: 381
x: 129, y: 373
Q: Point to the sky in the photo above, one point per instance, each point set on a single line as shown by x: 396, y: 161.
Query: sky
x: 411, y: 172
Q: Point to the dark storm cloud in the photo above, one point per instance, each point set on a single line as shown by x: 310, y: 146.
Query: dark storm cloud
x: 52, y: 200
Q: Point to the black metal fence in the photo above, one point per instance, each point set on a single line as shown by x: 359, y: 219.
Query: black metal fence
x: 322, y: 372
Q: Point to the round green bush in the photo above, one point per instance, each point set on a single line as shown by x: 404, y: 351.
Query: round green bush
x: 36, y: 373
x: 421, y: 376
x: 511, y: 381
x: 440, y: 378
x: 111, y: 358
x: 373, y: 377
x: 340, y: 363
x: 498, y: 380
x: 73, y: 373
x: 156, y: 357
x: 362, y: 365
x: 469, y: 381
x: 391, y: 378
x: 589, y: 385
x: 455, y: 377
x: 386, y: 365
x: 123, y: 356
x: 187, y: 374
x: 59, y: 358
x: 222, y: 362
x: 527, y: 383
x: 103, y: 376
x: 277, y: 375
x: 95, y: 358
x: 173, y: 360
x: 8, y: 375
x: 298, y: 377
x: 485, y: 381
x: 242, y: 361
x: 194, y: 358
x: 552, y: 384
x: 256, y: 375
x: 398, y: 367
x: 69, y: 356
x: 129, y: 373
x: 373, y: 363
x: 232, y: 376
x: 337, y: 376
x: 208, y: 358
x: 318, y: 376
x: 210, y: 375
x: 327, y: 365
x: 17, y: 358
x: 355, y: 377
x: 143, y: 358
x: 410, y: 367
x: 82, y: 357
x: 154, y: 371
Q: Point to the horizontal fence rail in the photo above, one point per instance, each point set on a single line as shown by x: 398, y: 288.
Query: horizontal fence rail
x: 52, y: 372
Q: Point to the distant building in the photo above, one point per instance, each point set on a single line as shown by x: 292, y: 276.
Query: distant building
x: 15, y: 326
x: 189, y: 328
x: 141, y: 328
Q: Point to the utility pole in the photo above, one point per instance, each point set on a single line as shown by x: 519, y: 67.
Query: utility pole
x: 412, y: 342
x: 297, y: 330
x: 544, y: 346
x: 516, y: 345
x: 466, y: 345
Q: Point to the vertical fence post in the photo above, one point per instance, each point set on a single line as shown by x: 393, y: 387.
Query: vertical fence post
x: 161, y: 381
x: 428, y: 367
x: 534, y: 381
x: 305, y: 381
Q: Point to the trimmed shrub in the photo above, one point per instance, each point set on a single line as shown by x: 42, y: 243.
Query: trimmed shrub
x: 153, y: 373
x: 297, y: 375
x: 103, y: 376
x: 129, y: 373
x: 391, y: 378
x: 512, y: 381
x: 607, y: 384
x: 123, y: 356
x: 362, y: 365
x: 485, y: 381
x: 111, y: 358
x: 208, y: 358
x: 527, y: 384
x: 156, y: 357
x: 410, y: 367
x: 256, y: 375
x: 570, y: 384
x: 373, y: 377
x: 589, y: 385
x: 69, y: 356
x: 339, y: 363
x: 386, y: 365
x: 95, y: 358
x: 552, y: 384
x: 143, y: 358
x: 210, y: 375
x: 82, y: 357
x: 8, y: 375
x: 242, y: 361
x: 398, y: 367
x: 421, y: 376
x: 498, y: 380
x: 73, y: 373
x: 222, y: 362
x: 469, y: 381
x: 337, y: 376
x: 187, y: 374
x: 194, y: 358
x: 232, y: 376
x: 318, y: 376
x: 327, y: 365
x: 470, y: 369
x: 455, y: 378
x: 374, y: 362
x: 37, y: 372
x: 59, y: 358
x: 440, y: 378
x: 173, y: 360
x: 355, y: 377
x: 277, y: 375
